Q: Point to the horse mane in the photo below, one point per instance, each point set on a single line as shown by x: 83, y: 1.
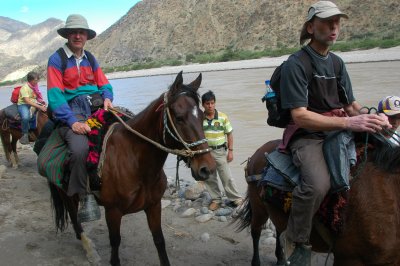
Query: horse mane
x: 384, y: 155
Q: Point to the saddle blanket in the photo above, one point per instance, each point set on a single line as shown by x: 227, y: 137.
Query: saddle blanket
x: 53, y: 157
x: 279, y: 180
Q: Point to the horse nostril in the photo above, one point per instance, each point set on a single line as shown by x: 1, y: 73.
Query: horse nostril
x: 204, y: 172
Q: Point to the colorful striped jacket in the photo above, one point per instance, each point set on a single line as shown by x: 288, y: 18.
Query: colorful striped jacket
x: 63, y: 87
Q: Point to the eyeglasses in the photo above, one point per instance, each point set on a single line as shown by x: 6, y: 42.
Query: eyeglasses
x: 77, y: 31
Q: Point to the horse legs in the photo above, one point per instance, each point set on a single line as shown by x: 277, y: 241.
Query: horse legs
x: 258, y: 219
x: 279, y: 251
x: 113, y: 218
x: 6, y: 141
x: 154, y: 221
x: 13, y: 153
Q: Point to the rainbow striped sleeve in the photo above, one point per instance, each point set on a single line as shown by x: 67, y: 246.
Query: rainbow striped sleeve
x: 55, y: 91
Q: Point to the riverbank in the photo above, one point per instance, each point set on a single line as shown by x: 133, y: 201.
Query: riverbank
x: 361, y: 56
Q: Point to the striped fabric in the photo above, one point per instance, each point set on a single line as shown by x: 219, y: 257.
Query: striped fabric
x: 216, y: 128
x: 62, y: 88
x: 52, y: 159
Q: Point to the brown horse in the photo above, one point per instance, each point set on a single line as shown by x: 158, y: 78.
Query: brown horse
x: 371, y: 230
x: 10, y: 136
x: 133, y: 178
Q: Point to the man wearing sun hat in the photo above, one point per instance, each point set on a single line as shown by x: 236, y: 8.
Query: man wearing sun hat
x: 74, y: 77
x: 390, y: 106
x: 320, y: 101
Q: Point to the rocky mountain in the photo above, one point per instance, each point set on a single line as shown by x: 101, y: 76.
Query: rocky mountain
x: 159, y: 29
x: 176, y: 29
x: 24, y: 47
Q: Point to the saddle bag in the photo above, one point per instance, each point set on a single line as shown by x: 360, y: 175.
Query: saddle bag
x: 95, y: 101
x: 12, y: 113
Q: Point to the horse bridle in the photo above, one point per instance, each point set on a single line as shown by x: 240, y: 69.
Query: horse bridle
x: 178, y: 138
x: 187, y: 152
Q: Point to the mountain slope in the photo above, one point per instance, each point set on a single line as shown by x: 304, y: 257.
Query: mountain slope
x: 159, y: 29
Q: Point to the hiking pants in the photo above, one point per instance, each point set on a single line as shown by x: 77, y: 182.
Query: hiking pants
x: 225, y: 176
x: 27, y: 122
x: 315, y: 184
x: 78, y: 150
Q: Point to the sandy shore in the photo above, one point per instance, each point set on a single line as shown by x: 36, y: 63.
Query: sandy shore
x: 371, y: 55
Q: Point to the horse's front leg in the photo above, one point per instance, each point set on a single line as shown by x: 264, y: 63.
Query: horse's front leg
x: 153, y: 214
x: 113, y: 218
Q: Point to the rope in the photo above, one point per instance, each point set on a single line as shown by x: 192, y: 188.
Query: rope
x: 104, y: 147
x: 184, y: 153
x: 4, y: 126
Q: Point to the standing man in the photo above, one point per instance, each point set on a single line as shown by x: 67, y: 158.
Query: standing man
x: 319, y: 103
x: 74, y: 78
x: 390, y: 106
x: 218, y: 132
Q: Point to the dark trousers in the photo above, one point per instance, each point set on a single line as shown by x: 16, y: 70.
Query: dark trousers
x: 79, y: 149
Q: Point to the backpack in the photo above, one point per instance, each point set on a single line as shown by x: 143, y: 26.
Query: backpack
x: 277, y: 116
x: 15, y: 94
x: 64, y: 59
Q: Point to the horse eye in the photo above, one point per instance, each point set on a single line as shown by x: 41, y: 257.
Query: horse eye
x: 179, y: 119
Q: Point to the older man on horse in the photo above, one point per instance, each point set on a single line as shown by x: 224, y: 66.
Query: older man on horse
x: 74, y: 79
x: 322, y: 104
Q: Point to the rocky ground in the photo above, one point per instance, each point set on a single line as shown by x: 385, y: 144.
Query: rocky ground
x: 194, y: 235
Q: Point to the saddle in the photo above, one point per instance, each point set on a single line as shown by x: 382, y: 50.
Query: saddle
x: 13, y: 119
x: 53, y: 156
x: 281, y: 176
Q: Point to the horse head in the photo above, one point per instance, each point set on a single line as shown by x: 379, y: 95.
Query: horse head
x: 183, y: 126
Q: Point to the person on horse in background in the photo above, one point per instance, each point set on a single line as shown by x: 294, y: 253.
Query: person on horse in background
x: 69, y: 91
x: 29, y: 101
x: 390, y: 106
x: 218, y: 132
x: 318, y: 106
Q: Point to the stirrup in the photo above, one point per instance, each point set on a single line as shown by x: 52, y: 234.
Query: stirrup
x: 88, y: 209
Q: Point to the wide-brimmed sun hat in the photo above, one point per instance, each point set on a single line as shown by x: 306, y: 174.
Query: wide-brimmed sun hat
x: 390, y: 105
x: 75, y: 22
x: 321, y: 9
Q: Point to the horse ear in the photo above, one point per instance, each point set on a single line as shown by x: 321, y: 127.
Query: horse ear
x: 195, y: 84
x: 177, y: 83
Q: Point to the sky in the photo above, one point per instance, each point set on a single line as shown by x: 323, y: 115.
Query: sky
x: 100, y: 14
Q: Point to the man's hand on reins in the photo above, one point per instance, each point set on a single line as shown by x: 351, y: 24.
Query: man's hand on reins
x: 370, y: 123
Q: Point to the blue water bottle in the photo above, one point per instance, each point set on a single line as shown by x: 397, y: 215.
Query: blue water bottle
x: 270, y: 95
x: 271, y: 101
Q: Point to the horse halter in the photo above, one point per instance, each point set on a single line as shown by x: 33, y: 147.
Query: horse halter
x: 177, y: 136
x: 187, y: 152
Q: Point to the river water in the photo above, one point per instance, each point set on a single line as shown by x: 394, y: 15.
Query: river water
x: 238, y: 94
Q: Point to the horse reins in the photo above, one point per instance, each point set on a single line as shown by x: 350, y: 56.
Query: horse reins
x: 187, y: 152
x: 378, y: 135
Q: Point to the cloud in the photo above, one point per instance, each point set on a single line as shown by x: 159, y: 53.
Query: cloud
x: 24, y: 9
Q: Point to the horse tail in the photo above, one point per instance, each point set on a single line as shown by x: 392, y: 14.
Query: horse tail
x: 244, y: 215
x: 59, y: 208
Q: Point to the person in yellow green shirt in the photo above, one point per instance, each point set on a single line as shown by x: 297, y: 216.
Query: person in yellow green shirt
x: 218, y: 132
x: 29, y: 98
